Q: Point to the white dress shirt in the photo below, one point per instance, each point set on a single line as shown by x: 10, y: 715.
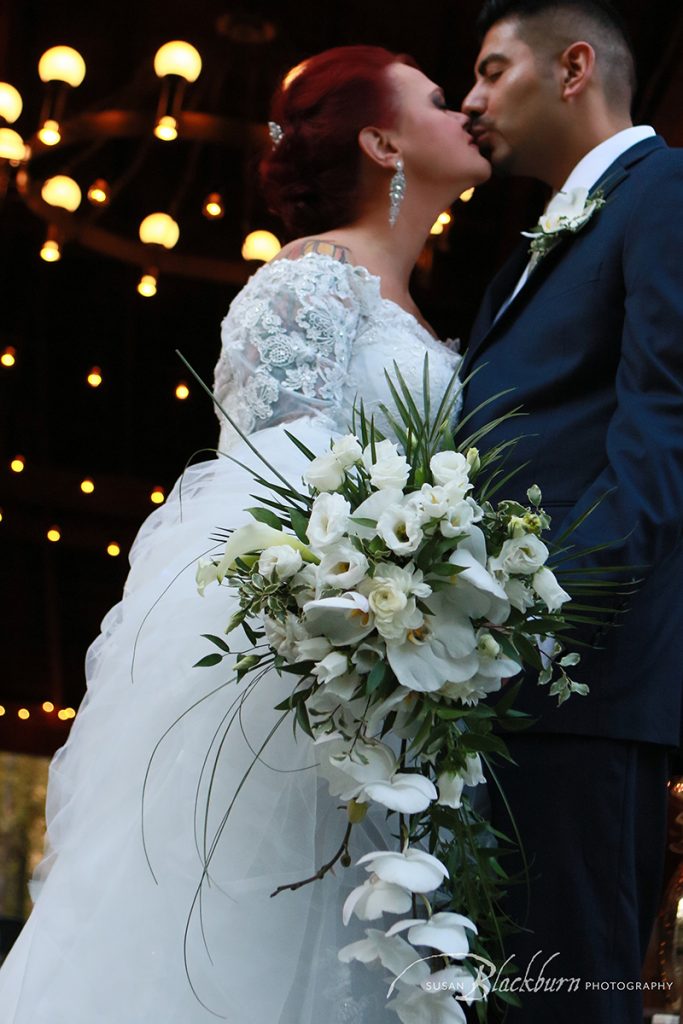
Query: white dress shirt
x: 587, y: 173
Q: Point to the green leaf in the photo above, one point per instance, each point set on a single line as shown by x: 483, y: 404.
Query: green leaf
x: 217, y: 641
x: 299, y: 525
x: 208, y: 660
x: 264, y: 515
x: 376, y: 677
x: 361, y: 521
x: 446, y: 569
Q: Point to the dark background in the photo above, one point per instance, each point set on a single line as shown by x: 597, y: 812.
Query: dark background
x: 132, y: 433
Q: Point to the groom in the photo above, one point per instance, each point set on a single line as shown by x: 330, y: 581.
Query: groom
x: 589, y: 336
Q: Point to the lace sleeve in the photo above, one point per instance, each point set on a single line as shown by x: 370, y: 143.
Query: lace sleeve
x: 286, y: 343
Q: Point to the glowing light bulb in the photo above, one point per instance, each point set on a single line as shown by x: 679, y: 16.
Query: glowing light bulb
x: 62, y: 64
x: 166, y: 128
x: 99, y: 193
x: 87, y: 486
x: 9, y: 356
x: 2, y: 711
x: 48, y: 706
x: 157, y: 496
x: 17, y: 464
x: 10, y: 102
x: 1, y: 515
x: 113, y: 549
x: 159, y: 229
x: 49, y: 133
x: 444, y: 218
x: 69, y: 713
x: 213, y: 206
x: 260, y: 245
x: 50, y: 251
x: 182, y: 391
x: 12, y: 145
x: 23, y: 713
x: 54, y: 534
x: 62, y: 714
x: 436, y: 228
x: 467, y: 195
x: 94, y: 378
x: 62, y: 191
x: 147, y: 285
x: 178, y: 58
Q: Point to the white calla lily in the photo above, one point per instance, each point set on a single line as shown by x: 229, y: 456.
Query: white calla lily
x: 207, y: 572
x: 255, y: 537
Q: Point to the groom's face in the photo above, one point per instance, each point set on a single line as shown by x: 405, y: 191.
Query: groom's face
x: 512, y: 103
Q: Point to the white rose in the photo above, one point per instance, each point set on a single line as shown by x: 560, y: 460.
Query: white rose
x: 400, y: 528
x: 549, y: 590
x: 390, y: 468
x: 325, y: 473
x: 281, y: 560
x: 347, y: 451
x: 391, y: 596
x: 520, y: 555
x: 451, y: 469
x: 328, y: 521
x: 342, y: 566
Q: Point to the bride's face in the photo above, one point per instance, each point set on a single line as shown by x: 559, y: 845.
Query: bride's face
x: 433, y: 139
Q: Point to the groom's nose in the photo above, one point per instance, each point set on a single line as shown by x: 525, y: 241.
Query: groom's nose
x: 474, y: 103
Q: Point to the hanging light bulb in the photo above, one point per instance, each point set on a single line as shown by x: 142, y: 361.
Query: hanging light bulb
x: 62, y: 191
x: 444, y: 218
x: 467, y: 195
x: 94, y: 377
x: 48, y: 706
x: 9, y: 356
x: 113, y: 549
x: 54, y: 534
x: 166, y: 128
x: 51, y: 251
x: 62, y: 64
x: 23, y: 714
x: 10, y: 103
x: 436, y: 228
x: 157, y: 497
x: 260, y: 245
x: 182, y: 391
x: 18, y: 464
x: 176, y: 63
x: 49, y: 132
x: 87, y: 486
x: 12, y: 145
x: 159, y: 229
x: 213, y: 206
x: 99, y: 193
x: 147, y: 285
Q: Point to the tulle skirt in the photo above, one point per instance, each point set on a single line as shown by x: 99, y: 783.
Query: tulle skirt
x: 152, y: 907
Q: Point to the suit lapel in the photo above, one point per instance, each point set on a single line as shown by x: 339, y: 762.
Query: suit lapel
x: 502, y: 285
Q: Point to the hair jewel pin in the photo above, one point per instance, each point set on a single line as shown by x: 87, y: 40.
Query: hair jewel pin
x: 276, y: 133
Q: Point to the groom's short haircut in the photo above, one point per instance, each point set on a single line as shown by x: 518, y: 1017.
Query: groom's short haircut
x: 549, y: 26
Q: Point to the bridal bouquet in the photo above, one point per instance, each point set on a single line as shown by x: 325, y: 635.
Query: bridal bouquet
x: 397, y: 593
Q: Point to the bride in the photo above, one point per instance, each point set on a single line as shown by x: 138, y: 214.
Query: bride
x: 150, y: 907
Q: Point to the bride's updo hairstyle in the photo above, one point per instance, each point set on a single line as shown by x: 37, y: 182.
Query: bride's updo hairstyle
x: 310, y: 177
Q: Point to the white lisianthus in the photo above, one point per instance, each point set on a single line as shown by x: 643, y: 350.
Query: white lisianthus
x: 281, y: 560
x: 342, y: 566
x: 328, y: 520
x: 451, y: 470
x: 332, y: 665
x: 389, y: 469
x: 415, y: 870
x: 432, y: 501
x: 343, y: 620
x: 374, y: 898
x: 460, y: 517
x: 399, y: 526
x: 444, y: 931
x: 207, y: 572
x: 347, y: 451
x: 549, y: 590
x: 520, y: 556
x: 325, y: 473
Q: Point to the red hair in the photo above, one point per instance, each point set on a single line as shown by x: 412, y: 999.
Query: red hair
x: 310, y: 179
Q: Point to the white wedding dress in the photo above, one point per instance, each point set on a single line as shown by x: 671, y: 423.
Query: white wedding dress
x: 117, y: 935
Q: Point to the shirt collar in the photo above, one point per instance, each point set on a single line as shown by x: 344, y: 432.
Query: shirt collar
x: 593, y: 165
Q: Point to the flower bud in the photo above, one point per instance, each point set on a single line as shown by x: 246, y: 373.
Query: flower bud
x: 488, y: 646
x: 356, y: 811
x: 534, y: 495
x: 248, y: 661
x: 473, y: 460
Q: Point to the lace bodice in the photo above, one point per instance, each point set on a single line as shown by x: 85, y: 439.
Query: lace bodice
x: 308, y: 336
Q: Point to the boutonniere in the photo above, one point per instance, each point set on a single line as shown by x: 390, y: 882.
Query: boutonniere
x: 566, y: 213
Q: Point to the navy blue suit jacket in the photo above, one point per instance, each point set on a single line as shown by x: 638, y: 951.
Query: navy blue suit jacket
x: 592, y: 347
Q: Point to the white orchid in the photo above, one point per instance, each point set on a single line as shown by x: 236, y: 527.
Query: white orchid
x: 461, y: 983
x: 397, y: 955
x: 364, y: 770
x: 343, y: 620
x: 328, y: 520
x: 420, y: 1006
x: 444, y: 931
x: 374, y: 898
x: 416, y: 870
x: 443, y: 650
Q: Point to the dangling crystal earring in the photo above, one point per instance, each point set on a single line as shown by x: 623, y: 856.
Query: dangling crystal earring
x: 397, y: 191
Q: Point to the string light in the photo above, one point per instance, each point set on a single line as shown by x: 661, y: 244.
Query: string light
x: 260, y: 245
x: 51, y: 251
x: 166, y: 128
x: 49, y: 134
x: 113, y: 549
x: 9, y: 356
x: 2, y: 711
x: 444, y: 218
x: 157, y: 496
x: 2, y: 515
x: 213, y: 206
x: 467, y: 195
x: 23, y: 713
x: 87, y: 486
x: 17, y: 464
x: 94, y: 377
x: 48, y: 706
x: 436, y: 228
x: 99, y: 193
x: 182, y: 391
x: 62, y: 714
x: 147, y: 285
x: 54, y: 534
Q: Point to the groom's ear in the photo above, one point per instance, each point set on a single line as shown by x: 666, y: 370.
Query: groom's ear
x: 378, y: 146
x: 577, y: 66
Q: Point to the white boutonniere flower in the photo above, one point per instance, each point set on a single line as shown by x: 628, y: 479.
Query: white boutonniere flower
x: 566, y: 213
